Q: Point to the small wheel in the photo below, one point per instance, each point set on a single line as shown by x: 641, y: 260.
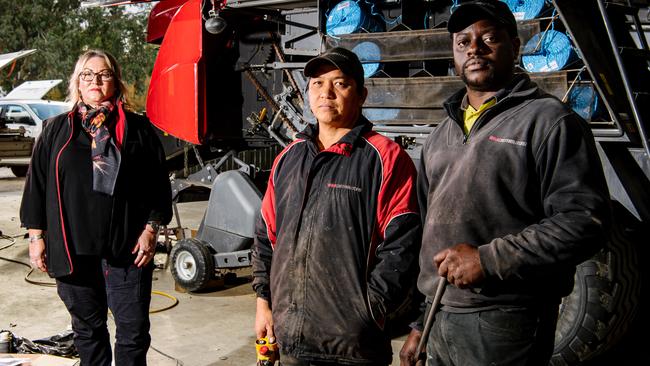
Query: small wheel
x: 192, y: 264
x: 19, y: 170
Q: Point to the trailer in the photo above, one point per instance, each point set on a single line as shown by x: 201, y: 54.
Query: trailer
x: 227, y: 84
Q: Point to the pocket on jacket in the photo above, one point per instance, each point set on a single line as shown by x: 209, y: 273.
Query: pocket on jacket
x: 376, y: 312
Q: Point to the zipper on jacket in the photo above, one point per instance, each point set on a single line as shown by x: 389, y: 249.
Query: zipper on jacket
x: 300, y: 264
x: 479, y: 121
x: 300, y: 291
x: 311, y: 176
x: 459, y: 125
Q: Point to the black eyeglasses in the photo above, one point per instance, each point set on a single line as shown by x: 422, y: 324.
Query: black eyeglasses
x: 88, y: 75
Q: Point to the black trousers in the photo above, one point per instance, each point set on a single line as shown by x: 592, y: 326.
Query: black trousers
x: 97, y: 286
x: 498, y: 337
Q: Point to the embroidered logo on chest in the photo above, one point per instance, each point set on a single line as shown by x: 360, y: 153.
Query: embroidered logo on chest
x: 343, y: 186
x: 507, y: 141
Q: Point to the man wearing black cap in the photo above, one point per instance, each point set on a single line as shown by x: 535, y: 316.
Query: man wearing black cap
x: 337, y: 241
x: 512, y: 198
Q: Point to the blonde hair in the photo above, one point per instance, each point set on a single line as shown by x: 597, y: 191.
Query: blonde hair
x: 73, y: 87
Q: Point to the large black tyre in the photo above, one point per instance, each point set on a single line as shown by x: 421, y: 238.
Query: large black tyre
x: 19, y: 170
x: 604, y: 301
x: 192, y: 264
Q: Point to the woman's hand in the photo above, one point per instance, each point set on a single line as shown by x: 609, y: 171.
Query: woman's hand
x: 145, y: 247
x: 37, y: 250
x: 264, y: 320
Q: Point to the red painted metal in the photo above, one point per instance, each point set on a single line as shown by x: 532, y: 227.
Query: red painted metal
x: 160, y: 17
x: 176, y: 97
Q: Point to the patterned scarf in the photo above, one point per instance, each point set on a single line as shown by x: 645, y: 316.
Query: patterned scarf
x: 104, y: 153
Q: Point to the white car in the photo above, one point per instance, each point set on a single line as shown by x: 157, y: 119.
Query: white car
x: 30, y: 113
x: 22, y: 112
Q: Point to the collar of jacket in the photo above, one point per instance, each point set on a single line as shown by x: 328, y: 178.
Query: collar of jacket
x: 345, y: 145
x: 520, y: 87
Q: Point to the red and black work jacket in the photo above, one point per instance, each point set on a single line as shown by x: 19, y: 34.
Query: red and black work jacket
x: 336, y: 245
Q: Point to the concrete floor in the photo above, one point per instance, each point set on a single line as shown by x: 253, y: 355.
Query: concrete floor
x: 211, y: 328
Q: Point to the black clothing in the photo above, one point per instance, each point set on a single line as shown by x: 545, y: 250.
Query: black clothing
x: 90, y: 291
x: 86, y: 236
x: 50, y: 203
x: 78, y: 221
x: 525, y: 186
x: 336, y: 245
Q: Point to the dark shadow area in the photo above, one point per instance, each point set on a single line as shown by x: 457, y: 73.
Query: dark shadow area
x: 227, y: 286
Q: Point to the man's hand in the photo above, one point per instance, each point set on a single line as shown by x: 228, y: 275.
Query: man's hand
x: 461, y: 265
x: 407, y: 355
x: 264, y: 320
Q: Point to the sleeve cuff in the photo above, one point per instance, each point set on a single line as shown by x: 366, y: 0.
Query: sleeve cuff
x: 263, y: 293
x: 488, y: 262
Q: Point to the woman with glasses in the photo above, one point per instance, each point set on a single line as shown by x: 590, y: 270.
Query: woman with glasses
x: 96, y: 192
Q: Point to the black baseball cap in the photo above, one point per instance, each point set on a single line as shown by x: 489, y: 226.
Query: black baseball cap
x: 470, y: 12
x: 341, y: 58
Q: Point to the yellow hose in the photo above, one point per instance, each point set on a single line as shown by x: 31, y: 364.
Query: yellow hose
x: 164, y: 294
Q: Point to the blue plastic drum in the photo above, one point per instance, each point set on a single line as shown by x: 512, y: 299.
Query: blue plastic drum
x: 583, y: 99
x: 555, y: 52
x: 525, y: 9
x: 349, y: 17
x: 368, y: 51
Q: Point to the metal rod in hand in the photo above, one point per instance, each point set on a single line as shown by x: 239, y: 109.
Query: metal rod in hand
x: 442, y: 283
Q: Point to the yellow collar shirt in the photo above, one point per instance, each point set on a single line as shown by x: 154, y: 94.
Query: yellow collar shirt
x: 471, y: 115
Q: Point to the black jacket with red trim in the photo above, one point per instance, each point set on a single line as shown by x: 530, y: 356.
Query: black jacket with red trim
x: 142, y: 191
x: 336, y: 245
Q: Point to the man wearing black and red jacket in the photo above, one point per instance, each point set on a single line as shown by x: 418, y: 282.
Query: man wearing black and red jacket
x: 338, y: 237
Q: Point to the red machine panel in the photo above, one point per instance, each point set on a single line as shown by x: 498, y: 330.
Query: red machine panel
x: 160, y: 17
x: 176, y: 97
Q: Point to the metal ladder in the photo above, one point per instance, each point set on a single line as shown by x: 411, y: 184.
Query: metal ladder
x: 626, y: 53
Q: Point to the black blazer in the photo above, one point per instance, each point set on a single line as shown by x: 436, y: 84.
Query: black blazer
x: 142, y: 191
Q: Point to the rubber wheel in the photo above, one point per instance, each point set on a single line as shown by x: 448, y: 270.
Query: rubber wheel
x: 19, y: 170
x: 604, y: 301
x: 192, y: 264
